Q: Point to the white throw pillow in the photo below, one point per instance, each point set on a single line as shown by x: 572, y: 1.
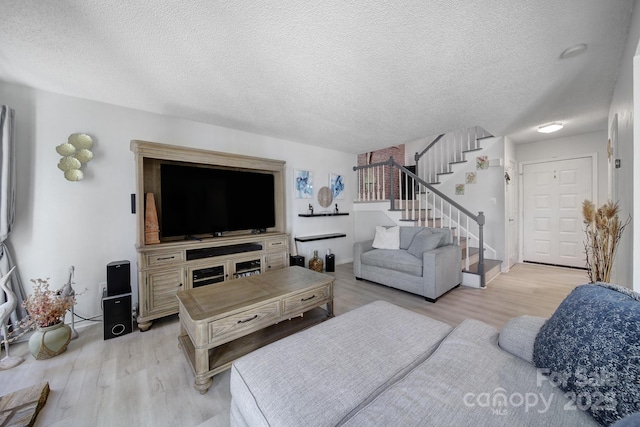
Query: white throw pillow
x: 387, y: 238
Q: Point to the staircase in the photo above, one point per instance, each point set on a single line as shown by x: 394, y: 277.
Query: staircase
x: 413, y: 198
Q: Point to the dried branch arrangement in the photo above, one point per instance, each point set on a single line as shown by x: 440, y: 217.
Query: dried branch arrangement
x: 604, y: 230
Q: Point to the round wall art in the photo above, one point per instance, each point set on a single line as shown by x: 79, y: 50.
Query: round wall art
x: 324, y: 197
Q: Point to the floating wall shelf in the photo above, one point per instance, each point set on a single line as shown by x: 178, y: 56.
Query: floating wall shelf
x: 320, y: 237
x: 324, y: 214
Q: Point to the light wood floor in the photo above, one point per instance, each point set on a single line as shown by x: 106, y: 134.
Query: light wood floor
x: 142, y: 379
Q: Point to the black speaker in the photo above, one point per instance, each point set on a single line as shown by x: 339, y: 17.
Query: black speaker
x: 117, y: 318
x: 118, y: 278
x: 296, y: 260
x: 330, y: 263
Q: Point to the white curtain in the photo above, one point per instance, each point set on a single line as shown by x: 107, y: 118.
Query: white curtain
x: 7, y: 208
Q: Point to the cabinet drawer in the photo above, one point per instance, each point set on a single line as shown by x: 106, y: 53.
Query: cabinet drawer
x: 241, y: 324
x: 276, y: 244
x: 164, y: 258
x: 306, y: 300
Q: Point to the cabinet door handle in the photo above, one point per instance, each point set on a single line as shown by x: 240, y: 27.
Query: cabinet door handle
x: 255, y: 316
x: 307, y: 299
x: 276, y: 243
x: 165, y: 258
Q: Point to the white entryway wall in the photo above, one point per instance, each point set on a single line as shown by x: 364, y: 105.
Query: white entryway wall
x: 626, y: 99
x: 89, y: 223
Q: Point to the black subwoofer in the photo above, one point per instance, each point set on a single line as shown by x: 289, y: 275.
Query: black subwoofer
x: 296, y: 260
x: 118, y: 278
x: 330, y: 263
x: 117, y: 318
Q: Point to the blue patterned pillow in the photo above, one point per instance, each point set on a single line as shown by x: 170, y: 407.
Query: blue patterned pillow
x: 590, y: 348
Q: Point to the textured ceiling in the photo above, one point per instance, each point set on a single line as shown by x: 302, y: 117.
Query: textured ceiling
x: 350, y: 75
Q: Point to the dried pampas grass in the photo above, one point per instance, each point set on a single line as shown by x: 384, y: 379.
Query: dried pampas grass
x: 603, y: 230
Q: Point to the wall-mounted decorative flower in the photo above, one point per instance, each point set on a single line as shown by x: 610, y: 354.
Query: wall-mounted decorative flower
x: 74, y: 154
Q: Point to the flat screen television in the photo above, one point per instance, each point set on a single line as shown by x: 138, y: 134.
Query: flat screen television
x: 201, y: 201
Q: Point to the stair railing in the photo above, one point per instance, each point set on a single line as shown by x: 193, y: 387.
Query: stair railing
x: 379, y: 180
x: 447, y: 149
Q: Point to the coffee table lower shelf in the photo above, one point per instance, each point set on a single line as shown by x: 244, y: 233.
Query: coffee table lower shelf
x: 221, y: 357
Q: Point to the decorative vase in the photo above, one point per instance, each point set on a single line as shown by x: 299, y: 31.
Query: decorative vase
x: 315, y: 263
x: 50, y: 341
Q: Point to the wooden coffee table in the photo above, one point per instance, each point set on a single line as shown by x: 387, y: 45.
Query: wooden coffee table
x: 222, y: 322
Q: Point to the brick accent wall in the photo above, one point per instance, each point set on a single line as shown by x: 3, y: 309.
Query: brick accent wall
x: 397, y: 152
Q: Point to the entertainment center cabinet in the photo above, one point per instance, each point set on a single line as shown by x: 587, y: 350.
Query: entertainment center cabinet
x: 177, y: 264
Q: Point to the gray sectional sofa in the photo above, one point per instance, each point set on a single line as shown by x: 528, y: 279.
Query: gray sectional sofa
x: 382, y: 365
x: 430, y: 273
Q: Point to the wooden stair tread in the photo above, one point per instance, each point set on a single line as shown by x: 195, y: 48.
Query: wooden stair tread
x: 472, y: 252
x: 489, y: 264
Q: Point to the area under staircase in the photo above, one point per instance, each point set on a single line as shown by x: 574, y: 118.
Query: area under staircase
x: 411, y: 198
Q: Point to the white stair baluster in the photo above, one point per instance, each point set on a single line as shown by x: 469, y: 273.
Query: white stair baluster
x: 375, y: 183
x: 458, y: 225
x: 406, y: 191
x: 380, y: 189
x: 399, y: 195
x: 384, y: 187
x: 413, y: 197
x: 467, y: 257
x: 419, y: 196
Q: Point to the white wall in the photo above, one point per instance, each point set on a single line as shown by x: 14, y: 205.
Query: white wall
x: 625, y: 262
x: 89, y: 223
x: 510, y: 154
x: 486, y: 195
x: 627, y: 178
x: 478, y: 197
x: 367, y: 220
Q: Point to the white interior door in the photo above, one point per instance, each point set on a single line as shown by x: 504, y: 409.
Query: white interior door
x: 553, y: 193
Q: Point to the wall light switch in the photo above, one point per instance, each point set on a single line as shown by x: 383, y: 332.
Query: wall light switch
x: 493, y: 201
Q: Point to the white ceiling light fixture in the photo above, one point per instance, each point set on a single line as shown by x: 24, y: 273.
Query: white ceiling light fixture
x: 551, y: 127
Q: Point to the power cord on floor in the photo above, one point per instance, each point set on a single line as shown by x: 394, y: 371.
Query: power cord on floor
x: 91, y: 319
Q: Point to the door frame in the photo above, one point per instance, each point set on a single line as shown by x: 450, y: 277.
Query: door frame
x: 514, y: 185
x: 521, y: 195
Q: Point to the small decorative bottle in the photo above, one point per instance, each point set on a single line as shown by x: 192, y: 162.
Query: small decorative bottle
x: 315, y: 263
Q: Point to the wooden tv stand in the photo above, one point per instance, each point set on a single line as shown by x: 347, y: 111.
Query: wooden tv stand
x: 171, y: 266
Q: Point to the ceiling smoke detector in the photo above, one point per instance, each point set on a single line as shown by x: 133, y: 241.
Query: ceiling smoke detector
x: 572, y: 51
x: 551, y: 127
